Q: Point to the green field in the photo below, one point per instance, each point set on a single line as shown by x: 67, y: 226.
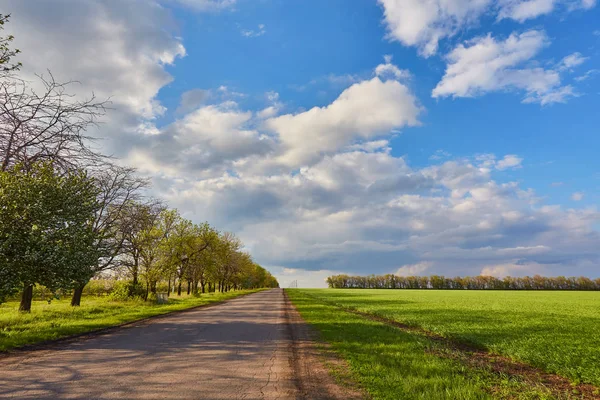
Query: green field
x: 558, y: 332
x: 58, y: 319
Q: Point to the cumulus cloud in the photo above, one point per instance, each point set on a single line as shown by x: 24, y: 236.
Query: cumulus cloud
x: 205, y: 142
x: 365, y: 110
x: 191, y: 100
x: 109, y: 47
x: 338, y: 199
x: 425, y: 23
x: 486, y: 64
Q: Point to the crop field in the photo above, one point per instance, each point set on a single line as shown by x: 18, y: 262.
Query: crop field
x: 48, y: 321
x: 554, y: 334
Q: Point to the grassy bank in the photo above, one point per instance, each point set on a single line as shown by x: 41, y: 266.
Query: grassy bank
x: 392, y: 363
x: 58, y: 319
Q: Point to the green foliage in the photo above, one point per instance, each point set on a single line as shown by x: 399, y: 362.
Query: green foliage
x: 556, y: 331
x: 6, y: 52
x: 126, y: 290
x: 46, y: 234
x: 480, y: 282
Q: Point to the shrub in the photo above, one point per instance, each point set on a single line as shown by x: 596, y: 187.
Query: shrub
x: 126, y: 290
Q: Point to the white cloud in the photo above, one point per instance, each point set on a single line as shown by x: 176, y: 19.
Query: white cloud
x: 512, y: 269
x: 191, y: 100
x: 205, y: 5
x: 414, y: 269
x: 509, y: 161
x: 588, y: 74
x: 485, y: 64
x: 520, y: 10
x: 571, y: 61
x: 424, y: 24
x: 389, y: 70
x: 338, y: 199
x: 577, y: 196
x: 261, y: 30
x: 114, y: 49
x: 363, y: 111
x: 302, y: 277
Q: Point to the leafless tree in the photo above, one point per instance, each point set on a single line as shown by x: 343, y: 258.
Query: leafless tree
x: 50, y: 125
x: 118, y: 187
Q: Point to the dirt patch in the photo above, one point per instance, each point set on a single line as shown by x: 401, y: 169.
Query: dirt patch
x: 476, y: 357
x: 318, y: 373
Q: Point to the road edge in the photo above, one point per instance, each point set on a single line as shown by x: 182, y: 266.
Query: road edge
x: 313, y: 363
x: 52, y: 343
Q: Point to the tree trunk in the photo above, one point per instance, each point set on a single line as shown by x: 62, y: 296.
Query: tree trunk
x: 189, y: 286
x: 195, y: 288
x: 26, y: 299
x: 203, y: 285
x: 169, y: 287
x: 135, y: 271
x: 76, y: 299
x: 179, y: 288
x: 153, y: 287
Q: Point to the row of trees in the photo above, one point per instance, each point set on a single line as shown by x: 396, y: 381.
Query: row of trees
x: 69, y: 213
x: 391, y: 281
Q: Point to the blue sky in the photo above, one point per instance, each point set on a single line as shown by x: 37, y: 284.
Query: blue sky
x: 365, y: 136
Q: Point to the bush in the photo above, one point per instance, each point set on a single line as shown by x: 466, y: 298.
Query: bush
x: 126, y: 290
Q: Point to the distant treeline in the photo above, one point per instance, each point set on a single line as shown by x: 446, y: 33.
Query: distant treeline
x: 390, y: 281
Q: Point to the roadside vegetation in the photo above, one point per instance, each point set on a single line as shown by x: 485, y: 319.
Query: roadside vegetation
x: 58, y: 319
x: 462, y: 344
x: 70, y: 215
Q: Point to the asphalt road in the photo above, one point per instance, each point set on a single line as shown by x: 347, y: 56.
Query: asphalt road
x: 241, y: 349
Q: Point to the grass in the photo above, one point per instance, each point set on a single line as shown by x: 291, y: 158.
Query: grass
x: 558, y: 332
x: 555, y: 330
x: 58, y: 319
x: 389, y: 363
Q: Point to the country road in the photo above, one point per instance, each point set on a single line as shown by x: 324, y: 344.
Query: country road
x: 246, y: 348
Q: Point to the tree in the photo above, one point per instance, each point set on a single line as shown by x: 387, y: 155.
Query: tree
x: 6, y: 52
x: 200, y: 255
x: 48, y: 126
x: 46, y: 229
x: 137, y: 219
x: 117, y: 187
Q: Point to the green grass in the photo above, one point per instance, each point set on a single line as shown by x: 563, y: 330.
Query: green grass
x: 58, y: 319
x: 556, y: 331
x: 390, y: 363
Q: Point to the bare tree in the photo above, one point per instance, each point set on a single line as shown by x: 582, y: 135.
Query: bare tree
x: 50, y: 125
x: 118, y: 187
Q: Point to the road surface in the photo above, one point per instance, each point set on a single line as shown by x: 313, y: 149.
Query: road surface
x: 241, y: 349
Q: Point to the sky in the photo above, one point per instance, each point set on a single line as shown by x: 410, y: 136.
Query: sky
x: 452, y: 137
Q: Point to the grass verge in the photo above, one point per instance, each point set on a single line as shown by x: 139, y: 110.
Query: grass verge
x: 58, y: 319
x: 391, y: 363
